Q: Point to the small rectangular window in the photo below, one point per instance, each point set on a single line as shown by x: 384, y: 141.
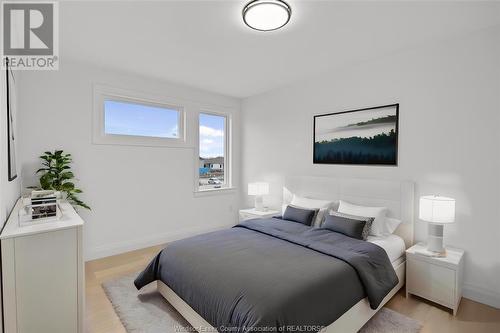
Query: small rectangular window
x: 123, y: 117
x: 212, y: 152
x: 134, y: 119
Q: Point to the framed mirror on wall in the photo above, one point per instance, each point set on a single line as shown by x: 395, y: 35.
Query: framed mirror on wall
x: 11, y: 112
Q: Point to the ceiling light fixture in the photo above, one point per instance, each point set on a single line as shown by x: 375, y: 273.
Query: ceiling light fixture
x: 266, y: 15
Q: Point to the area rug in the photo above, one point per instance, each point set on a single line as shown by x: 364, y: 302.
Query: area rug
x: 148, y: 312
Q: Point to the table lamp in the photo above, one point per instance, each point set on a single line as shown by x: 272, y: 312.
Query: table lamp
x: 438, y: 211
x: 258, y: 189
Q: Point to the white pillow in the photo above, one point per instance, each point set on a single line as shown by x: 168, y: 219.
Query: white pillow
x: 391, y: 224
x: 379, y: 224
x: 322, y: 205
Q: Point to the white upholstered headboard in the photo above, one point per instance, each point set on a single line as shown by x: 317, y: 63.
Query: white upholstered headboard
x: 397, y: 196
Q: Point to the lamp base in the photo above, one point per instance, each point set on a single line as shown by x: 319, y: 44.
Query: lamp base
x: 435, y: 240
x: 259, y: 203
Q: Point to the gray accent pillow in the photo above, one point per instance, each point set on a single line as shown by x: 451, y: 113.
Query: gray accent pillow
x: 300, y: 215
x: 353, y: 230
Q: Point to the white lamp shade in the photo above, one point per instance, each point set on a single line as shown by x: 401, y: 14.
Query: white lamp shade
x: 258, y: 188
x: 437, y: 209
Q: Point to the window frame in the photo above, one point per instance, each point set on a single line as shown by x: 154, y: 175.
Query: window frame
x: 104, y: 93
x: 228, y: 180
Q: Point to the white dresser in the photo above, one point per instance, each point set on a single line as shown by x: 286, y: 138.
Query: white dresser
x: 43, y: 274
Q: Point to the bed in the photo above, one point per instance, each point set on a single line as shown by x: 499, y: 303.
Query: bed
x: 276, y: 275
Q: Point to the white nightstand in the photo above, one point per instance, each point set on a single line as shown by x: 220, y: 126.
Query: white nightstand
x: 252, y: 213
x: 433, y: 278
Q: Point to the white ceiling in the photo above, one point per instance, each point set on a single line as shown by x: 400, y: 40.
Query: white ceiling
x: 205, y: 44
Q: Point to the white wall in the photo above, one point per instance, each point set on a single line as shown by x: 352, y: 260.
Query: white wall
x: 140, y: 196
x: 449, y: 95
x: 9, y: 190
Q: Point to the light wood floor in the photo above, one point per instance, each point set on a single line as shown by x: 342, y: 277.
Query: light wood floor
x: 101, y: 318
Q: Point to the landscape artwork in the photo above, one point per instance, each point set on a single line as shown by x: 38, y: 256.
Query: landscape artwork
x: 364, y: 137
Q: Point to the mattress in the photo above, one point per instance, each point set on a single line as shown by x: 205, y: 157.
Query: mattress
x: 393, y: 245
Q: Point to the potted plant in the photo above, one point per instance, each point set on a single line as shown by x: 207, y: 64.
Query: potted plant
x: 56, y: 175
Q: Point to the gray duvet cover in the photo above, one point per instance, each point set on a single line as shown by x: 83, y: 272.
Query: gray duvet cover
x: 272, y: 275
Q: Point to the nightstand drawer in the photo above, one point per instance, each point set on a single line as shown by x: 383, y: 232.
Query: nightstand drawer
x: 431, y: 281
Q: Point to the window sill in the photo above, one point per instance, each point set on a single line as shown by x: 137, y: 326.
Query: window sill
x: 214, y: 191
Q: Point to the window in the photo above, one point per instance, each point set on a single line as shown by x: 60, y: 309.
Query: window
x: 213, y: 151
x: 127, y: 118
x: 124, y: 118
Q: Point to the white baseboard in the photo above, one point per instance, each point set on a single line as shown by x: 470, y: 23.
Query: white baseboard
x: 481, y: 295
x: 157, y: 239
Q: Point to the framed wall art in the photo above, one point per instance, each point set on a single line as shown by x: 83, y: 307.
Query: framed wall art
x: 363, y: 137
x: 11, y: 105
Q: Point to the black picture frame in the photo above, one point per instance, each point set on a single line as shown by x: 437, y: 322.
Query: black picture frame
x: 11, y: 153
x: 389, y: 159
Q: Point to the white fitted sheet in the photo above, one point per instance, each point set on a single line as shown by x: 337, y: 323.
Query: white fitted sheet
x: 392, y: 244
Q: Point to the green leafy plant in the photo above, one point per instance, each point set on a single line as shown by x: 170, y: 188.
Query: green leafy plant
x: 56, y: 175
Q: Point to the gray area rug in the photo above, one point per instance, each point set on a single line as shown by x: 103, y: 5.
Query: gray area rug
x: 148, y: 312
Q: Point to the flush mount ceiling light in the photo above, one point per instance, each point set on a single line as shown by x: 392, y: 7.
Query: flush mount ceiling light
x: 266, y: 15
